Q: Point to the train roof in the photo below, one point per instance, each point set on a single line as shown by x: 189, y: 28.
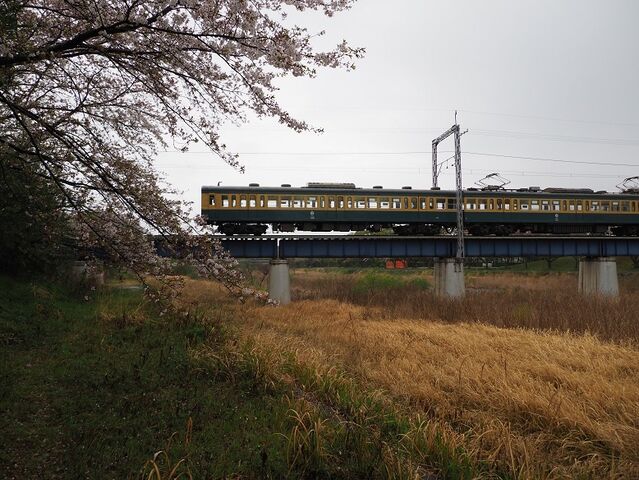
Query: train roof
x: 350, y: 189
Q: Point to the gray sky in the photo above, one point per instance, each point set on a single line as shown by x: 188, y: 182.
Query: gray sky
x: 553, y: 79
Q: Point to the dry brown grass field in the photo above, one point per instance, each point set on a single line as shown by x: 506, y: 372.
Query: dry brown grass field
x: 548, y: 302
x: 553, y: 395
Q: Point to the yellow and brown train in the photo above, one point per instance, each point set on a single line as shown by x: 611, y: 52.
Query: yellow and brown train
x: 330, y: 207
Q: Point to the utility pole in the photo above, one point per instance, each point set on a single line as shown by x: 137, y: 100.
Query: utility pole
x: 459, y: 198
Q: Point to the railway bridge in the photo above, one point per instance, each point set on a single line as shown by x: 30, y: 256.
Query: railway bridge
x: 597, y: 267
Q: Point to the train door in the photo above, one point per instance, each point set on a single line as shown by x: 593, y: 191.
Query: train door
x: 251, y: 204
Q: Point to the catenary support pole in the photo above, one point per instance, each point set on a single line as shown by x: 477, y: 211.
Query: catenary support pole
x: 459, y: 197
x: 279, y: 282
x: 598, y: 276
x: 449, y: 278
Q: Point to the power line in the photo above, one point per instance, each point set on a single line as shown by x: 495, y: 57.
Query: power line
x: 520, y: 173
x: 395, y: 108
x: 628, y: 142
x: 555, y: 138
x: 415, y: 152
x: 554, y: 119
x: 556, y: 160
x: 428, y: 152
x: 498, y: 114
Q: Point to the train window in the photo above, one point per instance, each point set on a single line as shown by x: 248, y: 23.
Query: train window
x: 587, y: 206
x: 298, y: 202
x: 451, y: 204
x: 545, y: 205
x: 397, y: 203
x: 499, y: 204
x: 405, y: 203
x: 556, y: 205
x: 431, y: 203
x: 340, y: 202
x: 271, y: 202
x: 594, y: 206
x: 243, y: 202
x: 483, y: 203
x: 225, y: 201
x: 523, y: 205
x: 515, y: 204
x: 564, y: 205
x: 571, y: 206
x: 534, y: 204
x: 580, y: 207
x: 285, y: 202
x: 633, y: 205
x: 441, y: 203
x: 349, y: 202
x: 470, y: 205
x: 331, y: 202
x: 507, y: 204
x: 262, y: 201
x: 322, y: 202
x: 252, y: 202
x: 384, y: 203
x: 615, y: 206
x: 212, y: 200
x: 491, y: 204
x: 422, y: 203
x: 625, y: 206
x: 360, y: 202
x: 605, y: 206
x: 311, y: 202
x: 233, y: 200
x: 372, y: 202
x: 413, y: 203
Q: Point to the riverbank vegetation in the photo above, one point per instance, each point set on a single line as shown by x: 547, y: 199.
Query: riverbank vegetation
x: 101, y: 384
x: 512, y: 300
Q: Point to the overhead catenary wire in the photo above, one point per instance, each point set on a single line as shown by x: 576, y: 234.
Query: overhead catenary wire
x: 396, y: 108
x: 428, y: 152
x: 553, y: 119
x: 518, y: 173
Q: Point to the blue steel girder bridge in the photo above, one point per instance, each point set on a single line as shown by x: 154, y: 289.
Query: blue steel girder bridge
x: 597, y: 268
x: 350, y: 246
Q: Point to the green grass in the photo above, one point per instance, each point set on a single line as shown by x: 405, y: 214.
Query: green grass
x: 92, y: 389
x: 93, y: 385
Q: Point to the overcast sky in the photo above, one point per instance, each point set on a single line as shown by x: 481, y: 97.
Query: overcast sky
x: 552, y: 79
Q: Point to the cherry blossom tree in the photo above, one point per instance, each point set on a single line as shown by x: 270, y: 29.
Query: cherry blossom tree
x: 91, y: 90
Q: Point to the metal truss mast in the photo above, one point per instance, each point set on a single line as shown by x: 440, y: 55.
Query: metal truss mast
x: 455, y: 131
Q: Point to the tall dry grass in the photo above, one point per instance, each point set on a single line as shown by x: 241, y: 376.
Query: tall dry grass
x: 548, y: 302
x: 536, y: 404
x: 548, y: 397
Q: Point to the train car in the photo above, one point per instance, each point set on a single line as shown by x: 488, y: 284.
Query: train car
x: 330, y: 207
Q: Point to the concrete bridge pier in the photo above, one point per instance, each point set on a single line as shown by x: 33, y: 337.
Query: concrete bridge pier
x: 279, y: 282
x: 449, y: 278
x: 598, y: 276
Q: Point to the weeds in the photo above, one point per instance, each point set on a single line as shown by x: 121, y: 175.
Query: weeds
x: 306, y: 451
x: 518, y: 403
x: 322, y: 388
x: 547, y: 302
x: 161, y: 467
x: 89, y: 388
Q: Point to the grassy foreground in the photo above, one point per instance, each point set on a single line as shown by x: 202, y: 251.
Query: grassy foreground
x: 94, y: 388
x: 102, y: 386
x: 105, y: 387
